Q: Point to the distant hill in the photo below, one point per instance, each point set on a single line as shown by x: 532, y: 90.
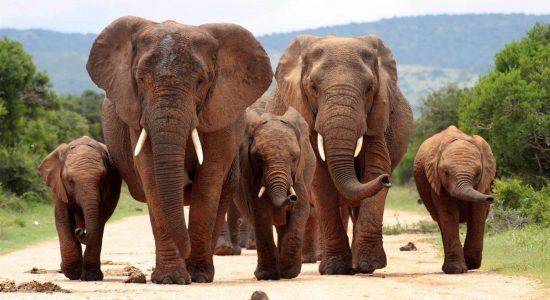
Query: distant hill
x: 430, y: 50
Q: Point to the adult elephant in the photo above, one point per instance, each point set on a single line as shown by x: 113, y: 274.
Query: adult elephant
x: 167, y: 83
x: 346, y: 89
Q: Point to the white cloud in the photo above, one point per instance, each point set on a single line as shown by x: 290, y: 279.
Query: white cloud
x: 258, y: 16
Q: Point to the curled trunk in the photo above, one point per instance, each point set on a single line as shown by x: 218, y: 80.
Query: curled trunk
x: 279, y: 196
x: 90, y: 207
x: 340, y: 160
x: 469, y: 194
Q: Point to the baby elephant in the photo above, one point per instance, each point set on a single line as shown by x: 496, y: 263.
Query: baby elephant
x: 453, y: 173
x: 86, y: 188
x: 277, y: 165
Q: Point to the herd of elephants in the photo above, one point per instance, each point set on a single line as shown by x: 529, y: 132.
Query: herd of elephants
x: 187, y: 120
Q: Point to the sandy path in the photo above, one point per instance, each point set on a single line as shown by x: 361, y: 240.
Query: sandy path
x: 409, y: 275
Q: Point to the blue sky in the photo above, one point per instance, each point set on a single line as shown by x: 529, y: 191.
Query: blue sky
x: 258, y: 16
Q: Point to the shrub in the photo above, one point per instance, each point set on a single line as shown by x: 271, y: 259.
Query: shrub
x: 518, y: 204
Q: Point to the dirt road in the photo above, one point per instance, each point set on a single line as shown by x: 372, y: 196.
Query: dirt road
x: 409, y: 275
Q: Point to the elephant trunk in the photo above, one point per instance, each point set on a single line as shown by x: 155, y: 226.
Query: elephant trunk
x: 465, y: 191
x: 340, y: 145
x: 278, y: 189
x: 169, y: 133
x: 89, y: 202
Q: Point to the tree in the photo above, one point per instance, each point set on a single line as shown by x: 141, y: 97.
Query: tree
x: 16, y: 72
x: 439, y: 110
x: 510, y: 108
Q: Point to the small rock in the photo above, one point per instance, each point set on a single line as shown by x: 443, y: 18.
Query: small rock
x: 259, y: 295
x: 409, y: 247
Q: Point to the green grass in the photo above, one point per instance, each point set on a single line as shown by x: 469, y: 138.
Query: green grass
x: 404, y: 198
x: 421, y: 226
x: 519, y: 252
x: 36, y: 222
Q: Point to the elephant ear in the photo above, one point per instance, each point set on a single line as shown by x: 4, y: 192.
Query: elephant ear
x: 431, y: 163
x: 294, y: 118
x: 489, y: 164
x: 51, y: 168
x: 378, y: 116
x: 110, y: 66
x: 243, y: 74
x: 289, y: 74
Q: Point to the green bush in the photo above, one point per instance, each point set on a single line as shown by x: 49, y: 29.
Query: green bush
x: 19, y: 175
x: 510, y: 108
x: 518, y: 204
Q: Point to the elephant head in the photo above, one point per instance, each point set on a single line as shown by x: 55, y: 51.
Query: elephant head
x: 464, y: 166
x: 80, y: 173
x: 171, y: 81
x: 275, y: 154
x: 347, y: 86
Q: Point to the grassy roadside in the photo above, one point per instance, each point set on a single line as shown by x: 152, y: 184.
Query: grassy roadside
x: 515, y: 252
x: 404, y: 198
x: 36, y: 223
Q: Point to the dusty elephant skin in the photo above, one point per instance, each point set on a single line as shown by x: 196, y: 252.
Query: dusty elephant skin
x: 453, y: 173
x: 168, y: 83
x: 346, y: 90
x: 86, y: 186
x: 277, y: 164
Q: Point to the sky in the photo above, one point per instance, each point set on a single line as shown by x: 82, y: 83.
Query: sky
x: 258, y: 16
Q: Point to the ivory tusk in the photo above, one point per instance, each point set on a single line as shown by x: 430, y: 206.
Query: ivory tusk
x: 261, y: 192
x: 140, y: 142
x: 292, y: 191
x: 197, y: 144
x: 320, y: 146
x: 358, y: 146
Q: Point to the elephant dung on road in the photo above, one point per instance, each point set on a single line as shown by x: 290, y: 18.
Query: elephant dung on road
x: 86, y: 186
x: 453, y: 173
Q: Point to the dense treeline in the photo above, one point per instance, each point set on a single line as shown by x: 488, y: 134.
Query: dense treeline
x: 33, y: 122
x: 510, y: 108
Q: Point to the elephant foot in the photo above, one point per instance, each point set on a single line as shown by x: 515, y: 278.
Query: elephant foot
x: 454, y: 267
x: 91, y: 275
x: 267, y: 273
x: 370, y: 259
x: 309, y: 258
x: 223, y: 247
x: 473, y: 263
x: 171, y: 275
x: 336, y: 265
x: 237, y: 249
x: 72, y: 271
x: 251, y: 244
x: 289, y: 271
x: 202, y: 271
x: 473, y: 260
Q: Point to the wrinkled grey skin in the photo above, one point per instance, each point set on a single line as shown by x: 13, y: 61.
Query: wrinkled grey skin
x: 86, y: 186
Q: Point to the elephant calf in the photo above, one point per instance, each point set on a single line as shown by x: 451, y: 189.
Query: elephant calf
x: 277, y: 165
x: 86, y: 187
x: 453, y: 173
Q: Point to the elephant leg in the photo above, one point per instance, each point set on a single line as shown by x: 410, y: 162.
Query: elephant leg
x: 367, y: 247
x: 336, y: 252
x: 221, y: 237
x: 219, y: 152
x: 473, y: 246
x: 311, y: 237
x: 243, y: 232
x: 71, y: 251
x: 223, y: 243
x: 251, y: 236
x: 170, y: 266
x: 91, y: 270
x: 291, y: 241
x: 345, y: 215
x: 448, y: 213
x: 268, y: 260
x: 233, y: 217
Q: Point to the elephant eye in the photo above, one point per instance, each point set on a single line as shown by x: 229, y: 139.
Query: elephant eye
x: 313, y: 88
